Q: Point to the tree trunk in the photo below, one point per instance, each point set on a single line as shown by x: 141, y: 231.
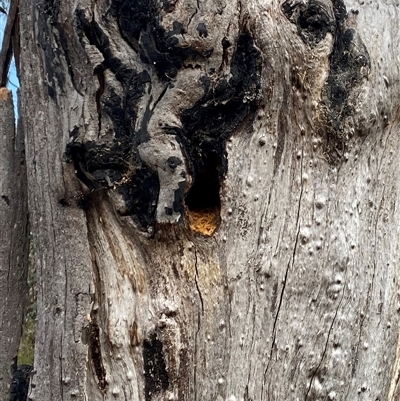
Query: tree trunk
x: 214, y: 194
x: 13, y: 239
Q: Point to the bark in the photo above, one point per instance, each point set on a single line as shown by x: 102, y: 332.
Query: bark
x: 214, y: 195
x: 13, y: 239
x: 8, y: 46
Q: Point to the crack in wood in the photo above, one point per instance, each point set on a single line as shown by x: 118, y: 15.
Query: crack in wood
x: 325, y: 348
x: 95, y: 355
x: 198, y: 324
x: 197, y: 284
x: 99, y: 72
x: 290, y: 265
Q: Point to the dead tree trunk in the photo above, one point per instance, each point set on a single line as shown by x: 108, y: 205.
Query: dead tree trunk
x: 13, y: 239
x: 214, y: 194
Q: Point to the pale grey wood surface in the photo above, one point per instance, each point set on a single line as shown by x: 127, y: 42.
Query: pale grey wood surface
x: 13, y: 239
x: 295, y: 296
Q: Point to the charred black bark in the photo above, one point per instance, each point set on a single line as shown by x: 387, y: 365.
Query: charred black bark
x: 349, y: 63
x: 51, y: 31
x: 20, y: 383
x: 205, y: 127
x: 313, y: 20
x: 155, y: 370
x: 213, y: 119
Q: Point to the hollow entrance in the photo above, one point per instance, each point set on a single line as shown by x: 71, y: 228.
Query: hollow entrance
x: 203, y: 200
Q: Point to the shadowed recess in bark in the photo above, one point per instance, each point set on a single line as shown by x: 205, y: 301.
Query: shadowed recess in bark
x: 349, y: 62
x: 206, y: 126
x: 155, y: 370
x: 95, y: 355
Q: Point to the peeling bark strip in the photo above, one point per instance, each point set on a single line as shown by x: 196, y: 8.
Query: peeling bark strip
x: 185, y: 149
x: 13, y: 240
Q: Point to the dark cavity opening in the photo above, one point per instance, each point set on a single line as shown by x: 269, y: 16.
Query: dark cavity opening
x: 203, y: 200
x: 204, y: 193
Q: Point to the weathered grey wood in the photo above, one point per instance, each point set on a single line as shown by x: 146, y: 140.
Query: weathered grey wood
x: 294, y: 295
x: 13, y: 239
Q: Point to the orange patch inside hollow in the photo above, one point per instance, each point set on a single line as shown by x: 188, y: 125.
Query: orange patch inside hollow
x: 204, y: 221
